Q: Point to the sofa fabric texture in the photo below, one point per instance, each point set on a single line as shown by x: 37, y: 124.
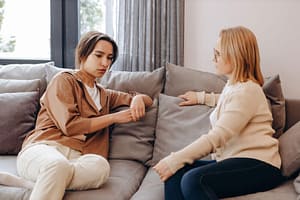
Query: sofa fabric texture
x: 135, y: 147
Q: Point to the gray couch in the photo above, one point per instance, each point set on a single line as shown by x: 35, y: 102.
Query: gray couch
x: 136, y: 147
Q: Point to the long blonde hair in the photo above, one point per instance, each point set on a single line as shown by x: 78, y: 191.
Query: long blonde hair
x: 239, y: 47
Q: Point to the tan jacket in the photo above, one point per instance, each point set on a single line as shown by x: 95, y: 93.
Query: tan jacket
x: 65, y: 110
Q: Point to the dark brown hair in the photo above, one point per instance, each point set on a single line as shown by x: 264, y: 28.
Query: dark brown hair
x: 87, y: 44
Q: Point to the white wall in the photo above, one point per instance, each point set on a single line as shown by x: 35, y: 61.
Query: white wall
x: 276, y: 24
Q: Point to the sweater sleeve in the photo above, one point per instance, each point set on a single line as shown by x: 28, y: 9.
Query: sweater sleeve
x: 209, y: 99
x: 237, y: 111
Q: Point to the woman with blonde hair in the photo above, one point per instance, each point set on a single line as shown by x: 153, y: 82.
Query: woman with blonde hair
x: 246, y: 156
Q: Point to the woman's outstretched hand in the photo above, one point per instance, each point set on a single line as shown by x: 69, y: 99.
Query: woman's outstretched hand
x: 163, y: 170
x: 190, y: 98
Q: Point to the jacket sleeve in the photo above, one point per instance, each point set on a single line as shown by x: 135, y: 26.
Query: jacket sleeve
x: 117, y: 98
x: 60, y: 103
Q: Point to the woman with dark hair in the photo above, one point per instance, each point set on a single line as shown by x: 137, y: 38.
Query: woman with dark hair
x: 68, y: 148
x: 246, y: 156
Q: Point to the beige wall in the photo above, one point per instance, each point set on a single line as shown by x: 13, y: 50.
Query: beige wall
x: 276, y: 24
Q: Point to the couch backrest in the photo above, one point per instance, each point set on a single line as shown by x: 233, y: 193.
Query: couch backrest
x: 292, y: 109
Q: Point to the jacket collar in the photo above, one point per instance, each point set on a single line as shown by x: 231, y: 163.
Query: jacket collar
x: 84, y: 78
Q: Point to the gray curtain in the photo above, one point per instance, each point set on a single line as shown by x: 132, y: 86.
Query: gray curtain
x: 149, y: 33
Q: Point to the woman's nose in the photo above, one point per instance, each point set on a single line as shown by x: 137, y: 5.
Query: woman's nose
x: 105, y: 62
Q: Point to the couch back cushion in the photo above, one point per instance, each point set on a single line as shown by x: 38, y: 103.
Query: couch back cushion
x: 289, y: 149
x: 18, y: 114
x: 150, y: 83
x: 26, y: 72
x: 273, y: 91
x: 178, y: 126
x: 52, y: 70
x: 134, y: 140
x: 19, y: 102
x: 12, y: 85
x: 182, y: 79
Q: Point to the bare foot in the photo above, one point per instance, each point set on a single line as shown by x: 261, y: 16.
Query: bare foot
x: 13, y: 180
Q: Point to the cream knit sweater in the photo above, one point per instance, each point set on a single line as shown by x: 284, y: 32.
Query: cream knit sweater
x: 241, y: 127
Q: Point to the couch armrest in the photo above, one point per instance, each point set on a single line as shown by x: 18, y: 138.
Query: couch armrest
x: 292, y: 109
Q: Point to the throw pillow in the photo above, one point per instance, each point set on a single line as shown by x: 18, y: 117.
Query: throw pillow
x: 134, y: 141
x: 17, y: 118
x: 26, y: 72
x: 51, y: 71
x: 12, y: 85
x: 150, y: 83
x: 182, y: 79
x: 178, y: 126
x: 290, y: 150
x: 273, y: 91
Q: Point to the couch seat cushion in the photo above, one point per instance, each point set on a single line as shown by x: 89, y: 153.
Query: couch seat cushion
x: 125, y: 178
x: 285, y: 191
x: 150, y: 187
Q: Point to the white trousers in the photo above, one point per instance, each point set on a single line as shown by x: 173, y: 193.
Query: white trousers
x: 55, y: 168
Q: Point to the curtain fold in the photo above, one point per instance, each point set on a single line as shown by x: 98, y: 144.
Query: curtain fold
x: 149, y: 33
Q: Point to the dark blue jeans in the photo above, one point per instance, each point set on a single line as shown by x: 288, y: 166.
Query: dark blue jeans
x: 212, y: 180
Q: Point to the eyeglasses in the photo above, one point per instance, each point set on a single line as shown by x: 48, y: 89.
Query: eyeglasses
x: 217, y: 55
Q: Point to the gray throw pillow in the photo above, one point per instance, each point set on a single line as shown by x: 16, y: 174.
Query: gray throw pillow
x: 182, y: 79
x: 17, y: 118
x: 134, y: 141
x: 51, y: 71
x: 150, y: 83
x: 12, y: 85
x: 26, y: 72
x: 273, y: 91
x: 178, y: 126
x: 289, y: 149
